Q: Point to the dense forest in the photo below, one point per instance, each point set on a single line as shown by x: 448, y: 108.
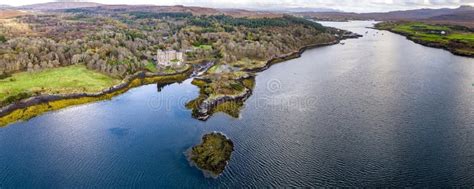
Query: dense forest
x: 120, y: 43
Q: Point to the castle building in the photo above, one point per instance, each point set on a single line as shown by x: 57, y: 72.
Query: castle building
x: 169, y: 58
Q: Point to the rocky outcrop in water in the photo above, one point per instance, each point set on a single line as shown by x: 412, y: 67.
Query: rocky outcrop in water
x: 212, y: 154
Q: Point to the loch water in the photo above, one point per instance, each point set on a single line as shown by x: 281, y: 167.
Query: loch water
x: 375, y: 111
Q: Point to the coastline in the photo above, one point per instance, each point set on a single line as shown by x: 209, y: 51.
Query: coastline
x: 300, y: 51
x: 205, y: 110
x: 207, y: 107
x: 37, y: 105
x: 291, y: 55
x: 429, y: 44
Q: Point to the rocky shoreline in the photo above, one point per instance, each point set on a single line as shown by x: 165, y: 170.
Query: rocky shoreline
x: 205, y: 109
x: 441, y: 46
x: 298, y: 53
x: 33, y: 106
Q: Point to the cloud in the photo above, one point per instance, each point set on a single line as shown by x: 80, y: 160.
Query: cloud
x: 347, y: 5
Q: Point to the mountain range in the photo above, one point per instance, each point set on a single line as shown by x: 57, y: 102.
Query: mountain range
x: 56, y: 6
x: 59, y: 5
x: 464, y: 15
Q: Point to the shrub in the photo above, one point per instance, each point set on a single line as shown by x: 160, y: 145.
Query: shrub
x: 2, y: 39
x: 18, y: 97
x: 4, y: 75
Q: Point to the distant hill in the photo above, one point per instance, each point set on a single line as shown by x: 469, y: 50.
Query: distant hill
x: 416, y: 14
x: 59, y: 5
x: 304, y: 9
x: 462, y: 15
x: 293, y: 9
x: 8, y: 13
x: 147, y: 8
x: 468, y: 16
x: 190, y: 9
x: 153, y: 8
x: 5, y: 6
x: 464, y: 18
x: 248, y: 13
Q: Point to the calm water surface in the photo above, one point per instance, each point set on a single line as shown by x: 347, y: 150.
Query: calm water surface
x: 377, y: 111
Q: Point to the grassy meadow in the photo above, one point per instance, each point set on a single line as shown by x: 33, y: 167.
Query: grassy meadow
x: 64, y: 80
x: 457, y: 39
x: 432, y: 32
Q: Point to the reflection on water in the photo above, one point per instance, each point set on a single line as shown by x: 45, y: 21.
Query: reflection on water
x: 377, y: 111
x: 160, y: 86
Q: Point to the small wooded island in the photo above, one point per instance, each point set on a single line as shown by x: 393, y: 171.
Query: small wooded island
x: 212, y: 154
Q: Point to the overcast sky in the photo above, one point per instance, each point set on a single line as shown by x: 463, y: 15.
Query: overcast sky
x: 345, y: 5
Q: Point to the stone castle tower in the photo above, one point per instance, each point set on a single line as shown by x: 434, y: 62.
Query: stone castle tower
x: 169, y: 58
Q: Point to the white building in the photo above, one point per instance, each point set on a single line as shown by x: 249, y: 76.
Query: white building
x: 169, y: 58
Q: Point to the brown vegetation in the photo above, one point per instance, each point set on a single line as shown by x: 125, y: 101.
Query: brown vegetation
x: 11, y: 13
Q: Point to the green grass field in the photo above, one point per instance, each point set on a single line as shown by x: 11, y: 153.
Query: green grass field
x: 64, y: 80
x: 430, y: 32
x: 456, y: 38
x: 150, y: 66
